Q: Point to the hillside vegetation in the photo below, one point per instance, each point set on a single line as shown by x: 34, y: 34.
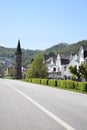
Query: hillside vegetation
x: 27, y: 55
x: 66, y: 48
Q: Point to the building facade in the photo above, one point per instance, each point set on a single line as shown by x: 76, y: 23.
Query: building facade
x: 58, y: 66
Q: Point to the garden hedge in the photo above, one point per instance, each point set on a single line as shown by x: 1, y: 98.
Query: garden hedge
x: 66, y: 84
x: 82, y: 86
x: 44, y: 81
x: 36, y: 80
x: 52, y: 82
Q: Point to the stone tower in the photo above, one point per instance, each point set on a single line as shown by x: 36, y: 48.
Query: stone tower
x: 18, y: 60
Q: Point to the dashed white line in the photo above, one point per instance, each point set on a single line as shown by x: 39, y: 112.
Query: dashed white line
x: 57, y: 119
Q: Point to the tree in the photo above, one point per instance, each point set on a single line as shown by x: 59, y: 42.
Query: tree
x: 37, y: 68
x: 83, y: 70
x: 75, y: 71
x: 2, y: 69
x: 11, y: 71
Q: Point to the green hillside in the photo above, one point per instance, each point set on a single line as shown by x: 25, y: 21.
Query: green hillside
x: 56, y: 48
x: 27, y: 55
x: 66, y: 48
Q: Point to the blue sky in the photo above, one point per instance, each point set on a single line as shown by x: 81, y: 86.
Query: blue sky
x: 40, y: 24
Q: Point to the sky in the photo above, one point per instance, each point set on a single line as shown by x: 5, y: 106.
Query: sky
x: 40, y: 24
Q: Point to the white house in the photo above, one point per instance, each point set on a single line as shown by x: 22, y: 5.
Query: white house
x: 77, y: 60
x: 82, y: 55
x: 73, y: 62
x: 56, y: 64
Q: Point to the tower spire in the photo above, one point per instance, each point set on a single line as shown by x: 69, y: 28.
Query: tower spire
x: 18, y: 53
x: 18, y: 50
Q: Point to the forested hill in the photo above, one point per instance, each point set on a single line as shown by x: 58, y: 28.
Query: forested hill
x: 66, y: 48
x: 29, y: 54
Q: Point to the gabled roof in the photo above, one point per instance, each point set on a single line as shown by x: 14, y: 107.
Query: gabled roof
x: 65, y: 58
x: 51, y: 54
x: 65, y: 61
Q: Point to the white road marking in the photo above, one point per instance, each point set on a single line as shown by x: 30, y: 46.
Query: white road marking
x: 57, y: 119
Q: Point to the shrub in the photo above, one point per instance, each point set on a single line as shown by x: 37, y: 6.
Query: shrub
x: 52, y: 82
x: 69, y: 84
x: 36, y: 80
x: 26, y: 79
x: 61, y: 83
x: 65, y: 84
x: 44, y: 81
x: 76, y: 85
x: 30, y: 80
x: 82, y: 86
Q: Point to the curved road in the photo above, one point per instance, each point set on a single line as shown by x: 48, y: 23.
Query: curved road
x: 26, y: 106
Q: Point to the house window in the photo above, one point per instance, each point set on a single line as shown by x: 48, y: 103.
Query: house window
x: 54, y: 69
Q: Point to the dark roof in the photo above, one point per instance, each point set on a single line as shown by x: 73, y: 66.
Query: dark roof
x: 85, y: 50
x: 65, y: 61
x: 65, y: 56
x: 51, y: 54
x: 85, y: 54
x: 85, y: 47
x: 18, y: 50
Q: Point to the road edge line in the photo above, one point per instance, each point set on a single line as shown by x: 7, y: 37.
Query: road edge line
x: 53, y: 116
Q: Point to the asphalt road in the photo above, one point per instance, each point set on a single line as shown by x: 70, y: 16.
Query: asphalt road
x: 26, y: 106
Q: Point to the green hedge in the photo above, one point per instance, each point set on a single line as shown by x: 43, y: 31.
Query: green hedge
x: 66, y: 84
x: 52, y: 82
x: 27, y: 80
x: 30, y: 80
x: 61, y: 83
x: 44, y: 81
x: 82, y: 86
x: 36, y: 80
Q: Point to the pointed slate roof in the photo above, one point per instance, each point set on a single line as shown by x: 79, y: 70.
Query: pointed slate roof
x: 18, y: 50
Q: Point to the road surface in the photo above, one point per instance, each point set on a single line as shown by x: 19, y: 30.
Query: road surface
x: 26, y: 106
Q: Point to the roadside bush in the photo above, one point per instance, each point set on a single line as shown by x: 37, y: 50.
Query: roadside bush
x: 76, y: 85
x: 61, y: 83
x: 65, y: 84
x: 27, y: 80
x: 82, y: 86
x: 36, y: 80
x: 44, y: 81
x: 69, y: 84
x: 52, y: 82
x: 30, y: 80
